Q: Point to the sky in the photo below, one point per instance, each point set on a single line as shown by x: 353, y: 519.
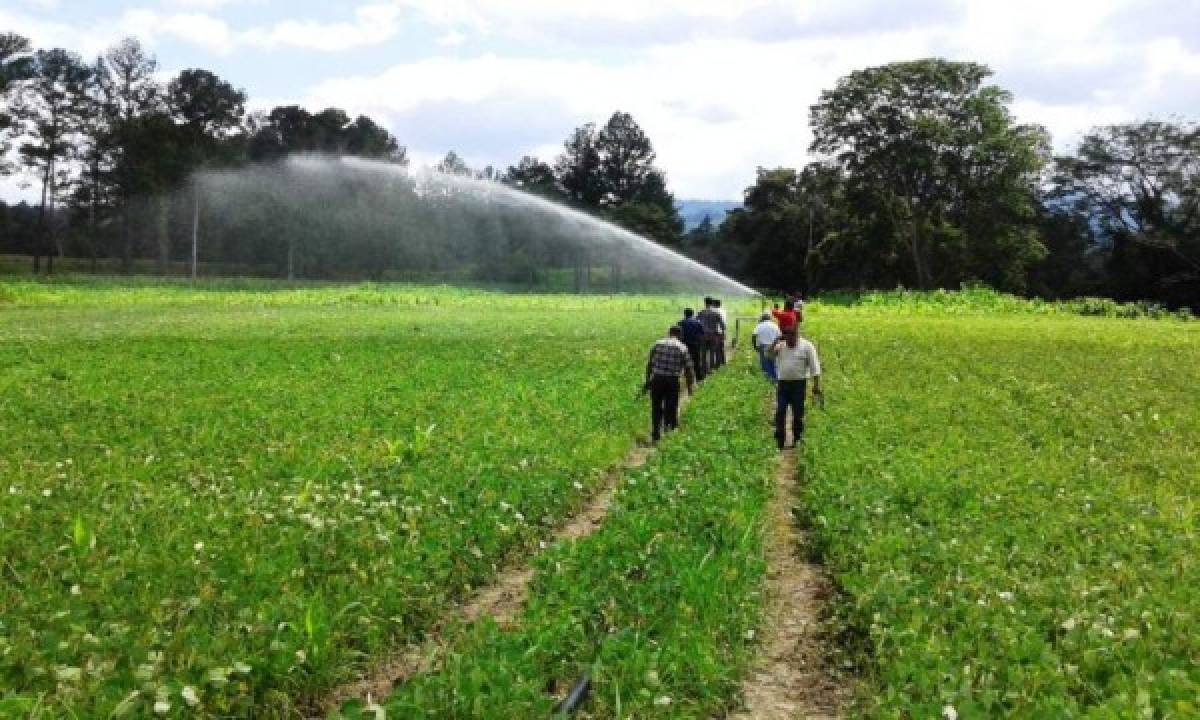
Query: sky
x: 720, y: 86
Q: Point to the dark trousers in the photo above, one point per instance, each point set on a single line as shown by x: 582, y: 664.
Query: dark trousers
x: 664, y: 405
x: 696, y: 350
x: 789, y: 392
x: 714, y: 352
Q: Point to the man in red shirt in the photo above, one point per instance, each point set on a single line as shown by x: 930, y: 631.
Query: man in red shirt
x: 787, y: 318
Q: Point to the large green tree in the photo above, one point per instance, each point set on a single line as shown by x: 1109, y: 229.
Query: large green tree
x: 533, y: 176
x: 611, y: 171
x: 579, y: 168
x: 130, y: 91
x: 51, y: 109
x: 209, y: 107
x: 290, y: 129
x: 934, y: 151
x: 16, y: 64
x: 1139, y: 184
x: 786, y: 225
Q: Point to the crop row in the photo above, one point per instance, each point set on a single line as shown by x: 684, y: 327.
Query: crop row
x: 223, y: 510
x: 115, y: 293
x: 660, y: 605
x: 1009, y: 505
x: 982, y: 300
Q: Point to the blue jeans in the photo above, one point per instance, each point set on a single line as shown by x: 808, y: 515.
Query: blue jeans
x: 766, y: 363
x: 789, y: 392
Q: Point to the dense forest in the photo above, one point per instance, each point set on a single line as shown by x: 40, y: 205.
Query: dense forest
x: 922, y: 178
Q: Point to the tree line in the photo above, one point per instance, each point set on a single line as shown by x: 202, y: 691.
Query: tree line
x: 925, y: 180
x: 922, y: 179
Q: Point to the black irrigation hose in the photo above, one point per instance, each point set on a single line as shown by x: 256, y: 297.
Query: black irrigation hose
x: 575, y: 696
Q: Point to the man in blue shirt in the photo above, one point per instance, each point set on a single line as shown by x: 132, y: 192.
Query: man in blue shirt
x: 693, y: 338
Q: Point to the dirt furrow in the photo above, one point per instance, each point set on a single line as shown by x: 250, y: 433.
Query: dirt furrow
x: 501, y: 599
x: 791, y: 678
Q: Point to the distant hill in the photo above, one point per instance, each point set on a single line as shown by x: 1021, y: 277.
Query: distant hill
x: 693, y: 211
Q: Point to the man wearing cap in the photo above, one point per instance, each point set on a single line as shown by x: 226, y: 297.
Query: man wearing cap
x: 765, y: 335
x: 669, y: 359
x: 795, y: 363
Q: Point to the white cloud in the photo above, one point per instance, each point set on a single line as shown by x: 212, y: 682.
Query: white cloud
x: 200, y: 4
x: 720, y: 86
x: 723, y: 87
x: 452, y: 39
x: 372, y: 25
x: 714, y: 109
x: 199, y: 29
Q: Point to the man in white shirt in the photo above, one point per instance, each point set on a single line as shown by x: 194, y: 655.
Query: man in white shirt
x: 765, y: 335
x: 795, y: 362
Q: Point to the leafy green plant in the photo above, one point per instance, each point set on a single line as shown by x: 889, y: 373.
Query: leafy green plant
x: 660, y: 605
x: 1008, y: 505
x: 223, y: 499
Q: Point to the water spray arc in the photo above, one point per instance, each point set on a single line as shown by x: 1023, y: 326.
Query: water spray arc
x: 335, y: 218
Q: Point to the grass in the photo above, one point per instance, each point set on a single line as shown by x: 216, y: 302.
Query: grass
x: 660, y: 605
x: 1009, y: 505
x: 232, y: 497
x: 981, y: 300
x: 223, y: 499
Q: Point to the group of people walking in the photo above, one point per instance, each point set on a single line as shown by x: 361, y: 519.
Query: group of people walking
x: 695, y: 348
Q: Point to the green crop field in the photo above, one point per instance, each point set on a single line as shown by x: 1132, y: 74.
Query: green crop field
x: 1008, y: 499
x: 243, y: 492
x: 225, y: 500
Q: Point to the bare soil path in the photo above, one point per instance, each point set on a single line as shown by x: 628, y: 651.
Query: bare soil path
x: 791, y: 678
x: 501, y: 599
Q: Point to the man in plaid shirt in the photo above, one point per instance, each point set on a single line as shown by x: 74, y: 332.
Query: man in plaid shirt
x: 669, y: 358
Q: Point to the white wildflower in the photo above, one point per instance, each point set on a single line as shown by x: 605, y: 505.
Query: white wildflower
x: 68, y: 674
x: 219, y: 676
x: 161, y: 707
x: 76, y: 590
x: 375, y: 708
x: 662, y: 700
x: 241, y: 668
x: 949, y: 713
x: 1005, y: 596
x: 1068, y: 624
x: 199, y: 546
x: 188, y: 693
x: 578, y: 485
x: 47, y: 492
